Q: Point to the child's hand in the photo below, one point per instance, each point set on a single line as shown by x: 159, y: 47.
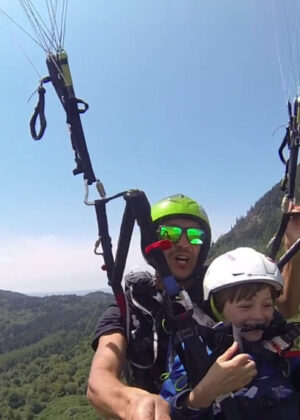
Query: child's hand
x: 229, y: 373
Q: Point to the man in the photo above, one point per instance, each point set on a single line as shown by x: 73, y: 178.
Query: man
x: 186, y: 224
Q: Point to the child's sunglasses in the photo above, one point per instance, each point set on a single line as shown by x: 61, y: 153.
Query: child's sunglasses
x: 173, y: 233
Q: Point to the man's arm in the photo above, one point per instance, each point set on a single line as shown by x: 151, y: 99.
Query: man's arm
x: 110, y: 395
x: 288, y: 302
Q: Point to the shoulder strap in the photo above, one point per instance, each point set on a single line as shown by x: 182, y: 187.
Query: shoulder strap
x: 142, y: 295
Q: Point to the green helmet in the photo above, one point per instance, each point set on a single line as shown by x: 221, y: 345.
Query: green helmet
x: 180, y: 205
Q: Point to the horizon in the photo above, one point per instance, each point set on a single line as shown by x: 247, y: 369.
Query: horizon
x: 61, y: 293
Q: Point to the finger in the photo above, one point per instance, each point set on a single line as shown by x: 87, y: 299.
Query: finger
x: 227, y: 355
x: 144, y: 414
x: 144, y: 411
x: 251, y: 363
x: 251, y: 368
x: 242, y: 359
x: 163, y: 417
x: 294, y: 207
x: 162, y: 410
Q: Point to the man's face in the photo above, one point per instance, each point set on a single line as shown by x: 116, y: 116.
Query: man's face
x: 182, y: 256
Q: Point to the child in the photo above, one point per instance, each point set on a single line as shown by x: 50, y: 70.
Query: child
x: 241, y: 287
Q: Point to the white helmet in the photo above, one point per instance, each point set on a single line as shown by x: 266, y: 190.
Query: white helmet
x: 242, y: 265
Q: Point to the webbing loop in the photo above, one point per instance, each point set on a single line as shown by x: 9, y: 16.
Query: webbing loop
x: 39, y: 112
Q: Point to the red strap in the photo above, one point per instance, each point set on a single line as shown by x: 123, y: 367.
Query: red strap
x: 291, y: 353
x: 164, y: 244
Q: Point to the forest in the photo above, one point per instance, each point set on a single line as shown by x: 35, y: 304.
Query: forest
x: 45, y: 354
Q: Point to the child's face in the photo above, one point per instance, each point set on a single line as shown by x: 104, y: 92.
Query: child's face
x: 258, y: 309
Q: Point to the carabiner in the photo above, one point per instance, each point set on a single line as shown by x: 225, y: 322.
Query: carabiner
x: 100, y: 189
x: 97, y: 244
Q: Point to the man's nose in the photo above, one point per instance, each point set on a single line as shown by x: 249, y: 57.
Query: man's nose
x: 183, y: 240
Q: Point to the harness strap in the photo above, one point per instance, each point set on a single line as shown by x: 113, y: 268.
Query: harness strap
x: 154, y: 328
x: 292, y: 141
x: 291, y: 353
x: 121, y: 255
x: 194, y: 356
x: 289, y: 254
x: 104, y: 238
x: 60, y: 76
x: 279, y: 234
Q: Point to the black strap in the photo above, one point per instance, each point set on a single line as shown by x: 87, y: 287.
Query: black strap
x: 192, y: 350
x: 79, y: 146
x: 292, y: 141
x: 65, y: 91
x: 279, y: 234
x: 289, y: 254
x: 122, y: 248
x: 39, y: 112
x: 136, y: 207
x: 105, y: 239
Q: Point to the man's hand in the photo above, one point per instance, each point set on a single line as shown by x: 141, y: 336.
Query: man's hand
x: 289, y: 300
x: 292, y: 232
x: 110, y: 395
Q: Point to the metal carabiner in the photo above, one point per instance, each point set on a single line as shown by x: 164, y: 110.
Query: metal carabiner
x: 97, y: 244
x: 100, y: 189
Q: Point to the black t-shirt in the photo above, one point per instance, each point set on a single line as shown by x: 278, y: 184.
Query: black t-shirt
x: 109, y: 323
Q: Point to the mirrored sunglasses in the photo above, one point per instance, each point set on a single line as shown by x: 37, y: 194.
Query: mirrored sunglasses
x: 195, y: 236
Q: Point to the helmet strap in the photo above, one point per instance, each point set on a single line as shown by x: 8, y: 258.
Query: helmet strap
x: 216, y: 313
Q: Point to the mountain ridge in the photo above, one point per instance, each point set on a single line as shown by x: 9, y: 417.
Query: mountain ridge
x: 258, y: 226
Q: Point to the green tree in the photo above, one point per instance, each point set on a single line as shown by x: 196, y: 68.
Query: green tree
x: 70, y: 388
x: 16, y: 400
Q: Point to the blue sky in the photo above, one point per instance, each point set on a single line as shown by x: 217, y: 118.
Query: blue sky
x: 184, y: 97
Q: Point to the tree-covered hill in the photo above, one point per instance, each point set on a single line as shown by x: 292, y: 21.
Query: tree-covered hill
x: 258, y: 226
x: 45, y: 354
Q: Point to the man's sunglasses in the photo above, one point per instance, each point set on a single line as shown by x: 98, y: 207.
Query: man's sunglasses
x: 173, y: 233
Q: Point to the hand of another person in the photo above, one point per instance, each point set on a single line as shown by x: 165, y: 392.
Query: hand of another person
x: 229, y: 373
x: 292, y: 232
x: 147, y: 407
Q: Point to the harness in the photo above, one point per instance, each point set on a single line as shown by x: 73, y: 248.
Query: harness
x: 149, y: 328
x: 147, y: 336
